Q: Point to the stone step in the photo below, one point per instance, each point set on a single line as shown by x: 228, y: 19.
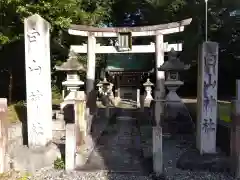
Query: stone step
x: 58, y: 125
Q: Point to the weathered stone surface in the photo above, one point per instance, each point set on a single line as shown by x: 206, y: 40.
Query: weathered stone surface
x: 207, y: 98
x: 38, y: 80
x: 23, y: 158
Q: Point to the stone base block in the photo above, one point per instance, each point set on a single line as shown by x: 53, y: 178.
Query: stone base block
x: 22, y: 158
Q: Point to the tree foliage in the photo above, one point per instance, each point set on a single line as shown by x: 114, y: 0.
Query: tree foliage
x: 222, y: 27
x: 60, y: 13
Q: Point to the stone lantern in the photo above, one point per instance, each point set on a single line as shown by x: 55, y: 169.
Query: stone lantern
x: 148, y: 88
x: 106, y: 96
x: 172, y: 67
x: 105, y: 86
x: 175, y: 111
x: 73, y: 82
x: 100, y: 88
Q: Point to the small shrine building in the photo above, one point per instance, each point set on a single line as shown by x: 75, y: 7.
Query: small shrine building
x: 127, y: 72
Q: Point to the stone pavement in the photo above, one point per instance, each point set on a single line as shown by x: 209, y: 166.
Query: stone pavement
x: 118, y: 150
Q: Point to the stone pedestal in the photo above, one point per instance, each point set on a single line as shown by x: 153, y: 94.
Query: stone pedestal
x: 207, y: 98
x: 72, y: 86
x: 173, y: 101
x: 38, y: 81
x: 3, y: 133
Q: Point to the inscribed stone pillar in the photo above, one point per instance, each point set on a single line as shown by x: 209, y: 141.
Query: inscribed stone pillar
x: 207, y: 97
x: 90, y: 89
x: 3, y: 133
x: 38, y: 80
x: 158, y: 108
x: 235, y: 133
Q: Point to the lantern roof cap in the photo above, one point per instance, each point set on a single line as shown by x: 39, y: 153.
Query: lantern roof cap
x: 105, y: 82
x: 173, y: 63
x: 148, y: 83
x: 72, y: 63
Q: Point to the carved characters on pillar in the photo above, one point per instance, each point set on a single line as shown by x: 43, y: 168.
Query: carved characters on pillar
x: 209, y: 103
x: 35, y: 94
x: 35, y: 68
x: 33, y: 36
x: 210, y: 92
x: 210, y: 63
x: 208, y: 125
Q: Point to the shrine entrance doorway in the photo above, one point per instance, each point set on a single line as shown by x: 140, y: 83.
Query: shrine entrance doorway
x: 121, y: 42
x: 128, y: 72
x: 129, y: 87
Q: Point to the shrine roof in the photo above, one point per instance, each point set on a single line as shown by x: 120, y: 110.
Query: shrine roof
x: 129, y: 62
x: 129, y: 71
x: 132, y: 29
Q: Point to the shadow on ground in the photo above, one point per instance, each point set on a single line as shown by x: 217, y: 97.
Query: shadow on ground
x: 119, y: 147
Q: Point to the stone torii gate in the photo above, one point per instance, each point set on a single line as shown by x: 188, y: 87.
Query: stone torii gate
x: 124, y: 45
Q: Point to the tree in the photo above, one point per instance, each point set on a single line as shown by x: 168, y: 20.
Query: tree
x: 60, y: 14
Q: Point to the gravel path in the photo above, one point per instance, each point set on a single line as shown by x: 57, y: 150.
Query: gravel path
x: 77, y: 175
x: 172, y: 150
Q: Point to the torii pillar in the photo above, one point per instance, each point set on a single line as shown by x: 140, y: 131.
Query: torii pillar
x: 159, y: 106
x: 90, y: 81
